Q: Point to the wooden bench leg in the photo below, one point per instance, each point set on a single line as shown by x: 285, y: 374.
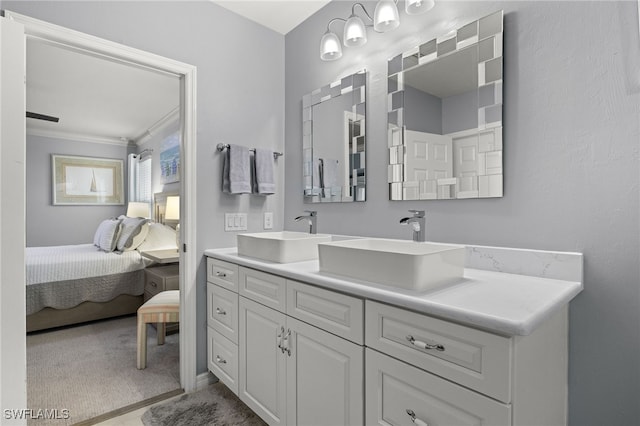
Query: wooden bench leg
x: 162, y: 331
x: 142, y: 343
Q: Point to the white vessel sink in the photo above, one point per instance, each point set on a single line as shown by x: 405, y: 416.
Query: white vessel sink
x: 397, y: 263
x: 281, y: 247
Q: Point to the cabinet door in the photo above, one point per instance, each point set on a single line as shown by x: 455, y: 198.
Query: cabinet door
x: 325, y: 378
x: 262, y: 370
x: 400, y: 394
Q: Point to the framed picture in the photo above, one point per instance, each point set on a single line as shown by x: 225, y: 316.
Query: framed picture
x: 170, y: 159
x: 87, y: 180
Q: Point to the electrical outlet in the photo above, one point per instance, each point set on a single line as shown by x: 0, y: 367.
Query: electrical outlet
x: 268, y: 220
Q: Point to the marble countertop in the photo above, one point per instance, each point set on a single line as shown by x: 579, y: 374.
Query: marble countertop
x: 508, y: 291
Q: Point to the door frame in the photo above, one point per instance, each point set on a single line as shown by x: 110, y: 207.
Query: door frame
x: 89, y: 44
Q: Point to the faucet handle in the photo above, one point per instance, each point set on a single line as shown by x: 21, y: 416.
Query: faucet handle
x: 417, y: 213
x: 311, y: 212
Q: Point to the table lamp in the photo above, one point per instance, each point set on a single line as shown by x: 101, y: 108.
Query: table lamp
x: 172, y: 212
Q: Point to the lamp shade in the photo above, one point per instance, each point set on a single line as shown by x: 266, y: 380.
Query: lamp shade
x: 415, y: 7
x: 138, y: 209
x: 172, y: 209
x: 385, y: 17
x: 330, y: 48
x: 355, y: 33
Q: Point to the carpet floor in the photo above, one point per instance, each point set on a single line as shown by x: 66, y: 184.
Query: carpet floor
x: 91, y: 369
x: 213, y: 405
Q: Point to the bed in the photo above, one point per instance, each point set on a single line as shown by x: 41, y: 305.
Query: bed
x: 77, y: 283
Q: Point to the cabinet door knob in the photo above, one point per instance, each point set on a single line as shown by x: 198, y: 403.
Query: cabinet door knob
x: 220, y: 360
x: 220, y: 311
x: 423, y: 345
x: 220, y: 274
x: 153, y: 284
x: 414, y: 419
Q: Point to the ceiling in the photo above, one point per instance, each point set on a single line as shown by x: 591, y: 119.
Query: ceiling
x: 95, y: 98
x: 281, y: 16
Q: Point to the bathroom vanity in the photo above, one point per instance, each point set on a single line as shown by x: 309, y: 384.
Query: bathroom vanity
x: 303, y: 347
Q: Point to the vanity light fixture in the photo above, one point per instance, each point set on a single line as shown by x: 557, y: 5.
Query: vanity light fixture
x: 385, y: 18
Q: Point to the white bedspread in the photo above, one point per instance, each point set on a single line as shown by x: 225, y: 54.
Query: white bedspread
x: 62, y: 263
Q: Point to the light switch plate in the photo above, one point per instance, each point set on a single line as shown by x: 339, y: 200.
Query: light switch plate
x: 235, y: 222
x: 268, y: 220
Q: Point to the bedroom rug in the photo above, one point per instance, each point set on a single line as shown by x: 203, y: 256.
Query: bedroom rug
x: 213, y: 405
x: 91, y: 369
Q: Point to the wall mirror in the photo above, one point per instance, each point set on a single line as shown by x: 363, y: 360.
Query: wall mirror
x: 445, y: 116
x: 334, y: 141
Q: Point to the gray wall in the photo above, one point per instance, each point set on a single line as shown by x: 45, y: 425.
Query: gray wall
x: 422, y: 111
x: 240, y: 96
x: 571, y: 131
x: 49, y: 225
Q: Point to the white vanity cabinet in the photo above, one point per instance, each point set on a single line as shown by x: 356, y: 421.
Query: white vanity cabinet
x: 299, y: 352
x: 313, y: 350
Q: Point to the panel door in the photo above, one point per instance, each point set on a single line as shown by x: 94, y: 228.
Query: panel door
x: 262, y: 370
x: 428, y: 156
x: 400, y: 394
x: 325, y: 378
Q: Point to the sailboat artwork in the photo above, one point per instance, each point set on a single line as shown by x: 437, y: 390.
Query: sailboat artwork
x: 87, y: 181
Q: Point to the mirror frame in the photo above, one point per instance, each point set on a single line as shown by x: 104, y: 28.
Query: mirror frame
x: 354, y: 85
x: 487, y: 34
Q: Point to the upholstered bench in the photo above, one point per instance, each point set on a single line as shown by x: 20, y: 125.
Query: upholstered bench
x: 162, y: 308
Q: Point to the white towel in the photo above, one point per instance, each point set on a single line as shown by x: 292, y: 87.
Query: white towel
x: 264, y: 183
x: 236, y: 173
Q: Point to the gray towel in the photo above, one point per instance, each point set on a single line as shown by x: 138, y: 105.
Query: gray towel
x: 264, y: 183
x: 236, y: 174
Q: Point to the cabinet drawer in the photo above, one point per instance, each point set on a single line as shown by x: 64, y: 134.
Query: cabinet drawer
x: 403, y: 389
x: 161, y: 278
x: 336, y: 313
x: 223, y: 273
x: 223, y: 359
x: 473, y: 358
x: 263, y: 288
x: 222, y: 311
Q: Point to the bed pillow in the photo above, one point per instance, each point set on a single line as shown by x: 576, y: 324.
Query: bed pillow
x: 130, y: 228
x: 160, y: 237
x: 109, y: 230
x: 104, y: 225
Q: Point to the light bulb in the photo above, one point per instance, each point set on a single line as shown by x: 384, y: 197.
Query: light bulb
x: 385, y: 17
x: 415, y: 7
x: 355, y: 33
x: 330, y: 48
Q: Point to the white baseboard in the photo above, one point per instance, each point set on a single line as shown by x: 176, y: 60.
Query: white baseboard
x: 205, y: 379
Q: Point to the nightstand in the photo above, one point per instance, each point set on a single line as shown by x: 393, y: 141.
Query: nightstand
x: 162, y: 256
x: 161, y: 278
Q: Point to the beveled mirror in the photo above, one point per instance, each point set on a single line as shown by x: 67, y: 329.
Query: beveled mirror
x: 445, y: 116
x: 334, y: 141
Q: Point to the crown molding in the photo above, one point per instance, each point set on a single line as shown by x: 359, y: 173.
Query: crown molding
x: 78, y: 137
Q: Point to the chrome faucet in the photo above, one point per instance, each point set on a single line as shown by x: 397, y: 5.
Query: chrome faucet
x: 418, y: 222
x: 312, y: 217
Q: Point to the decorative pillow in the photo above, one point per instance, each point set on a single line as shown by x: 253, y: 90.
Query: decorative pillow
x: 131, y: 227
x: 109, y: 235
x: 160, y: 237
x: 101, y: 228
x: 139, y: 239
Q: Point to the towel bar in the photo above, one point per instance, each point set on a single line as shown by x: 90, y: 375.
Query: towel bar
x: 223, y: 146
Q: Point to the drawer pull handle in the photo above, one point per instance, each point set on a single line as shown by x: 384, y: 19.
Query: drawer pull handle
x: 220, y: 360
x: 414, y: 419
x: 280, y: 339
x: 220, y: 311
x: 423, y: 345
x: 286, y: 343
x: 220, y: 274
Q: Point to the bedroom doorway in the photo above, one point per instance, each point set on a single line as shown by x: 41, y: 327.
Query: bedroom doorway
x: 73, y: 40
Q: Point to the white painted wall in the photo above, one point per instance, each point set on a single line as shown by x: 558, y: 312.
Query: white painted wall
x: 572, y: 173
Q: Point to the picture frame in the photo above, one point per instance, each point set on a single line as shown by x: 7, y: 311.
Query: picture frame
x: 87, y: 180
x: 170, y: 159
